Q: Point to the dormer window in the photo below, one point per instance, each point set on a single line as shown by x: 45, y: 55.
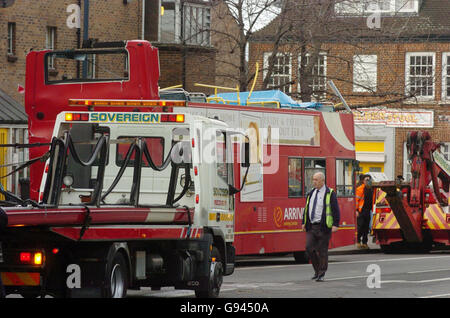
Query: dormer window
x: 378, y: 6
x: 385, y: 7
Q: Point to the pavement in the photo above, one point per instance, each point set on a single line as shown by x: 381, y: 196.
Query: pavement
x: 353, y: 249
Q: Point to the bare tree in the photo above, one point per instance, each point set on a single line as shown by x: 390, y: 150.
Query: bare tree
x: 246, y: 16
x: 340, y: 31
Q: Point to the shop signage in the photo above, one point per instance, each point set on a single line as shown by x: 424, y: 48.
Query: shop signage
x: 417, y: 118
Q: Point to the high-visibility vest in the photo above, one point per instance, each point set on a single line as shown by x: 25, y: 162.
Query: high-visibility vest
x: 359, y: 197
x: 329, y: 214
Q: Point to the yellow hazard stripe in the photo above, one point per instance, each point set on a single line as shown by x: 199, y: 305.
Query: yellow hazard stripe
x: 389, y: 222
x: 435, y: 216
x: 380, y: 196
x: 21, y: 279
x: 223, y: 216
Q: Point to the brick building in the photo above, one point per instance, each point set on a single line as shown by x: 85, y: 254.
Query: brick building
x: 184, y: 32
x: 190, y: 36
x: 37, y: 25
x: 397, y: 73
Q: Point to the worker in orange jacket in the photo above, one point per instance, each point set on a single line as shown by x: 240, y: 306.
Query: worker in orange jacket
x: 364, y: 202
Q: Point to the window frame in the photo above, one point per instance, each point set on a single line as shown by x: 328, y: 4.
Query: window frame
x: 170, y: 6
x: 11, y: 38
x: 50, y: 44
x: 408, y: 56
x: 347, y: 8
x: 407, y: 10
x: 289, y: 76
x: 318, y: 76
x: 205, y: 25
x: 445, y: 77
x: 352, y: 177
x: 304, y: 172
x: 48, y: 70
x: 367, y: 6
x: 302, y: 194
x: 357, y: 86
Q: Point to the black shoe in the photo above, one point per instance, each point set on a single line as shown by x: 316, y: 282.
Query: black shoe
x: 320, y: 278
x: 315, y: 277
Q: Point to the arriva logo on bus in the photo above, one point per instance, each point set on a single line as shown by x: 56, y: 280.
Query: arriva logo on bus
x: 290, y: 216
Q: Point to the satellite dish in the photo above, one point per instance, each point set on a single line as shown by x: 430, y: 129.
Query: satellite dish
x: 6, y: 3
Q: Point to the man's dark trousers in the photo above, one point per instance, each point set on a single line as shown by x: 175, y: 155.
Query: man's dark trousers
x: 317, y: 242
x: 363, y: 222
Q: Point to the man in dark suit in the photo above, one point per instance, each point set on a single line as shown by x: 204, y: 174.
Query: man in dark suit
x: 320, y: 219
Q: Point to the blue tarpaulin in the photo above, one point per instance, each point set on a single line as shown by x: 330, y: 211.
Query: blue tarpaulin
x: 264, y: 96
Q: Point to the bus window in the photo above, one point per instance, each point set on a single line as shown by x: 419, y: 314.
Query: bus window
x: 86, y: 66
x: 344, y: 177
x: 311, y: 167
x: 295, y: 177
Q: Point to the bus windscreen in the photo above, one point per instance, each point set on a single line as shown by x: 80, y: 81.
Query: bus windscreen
x: 86, y: 66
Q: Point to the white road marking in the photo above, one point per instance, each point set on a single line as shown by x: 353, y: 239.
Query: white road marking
x: 430, y: 271
x: 416, y: 281
x: 373, y: 261
x: 436, y: 296
x: 344, y: 278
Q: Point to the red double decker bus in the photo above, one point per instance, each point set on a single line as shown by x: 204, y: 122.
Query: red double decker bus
x: 290, y: 144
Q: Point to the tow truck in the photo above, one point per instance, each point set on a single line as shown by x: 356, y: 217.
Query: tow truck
x: 124, y: 191
x: 125, y: 202
x: 414, y: 216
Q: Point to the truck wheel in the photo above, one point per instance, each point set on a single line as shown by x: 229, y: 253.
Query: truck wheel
x: 215, y: 278
x: 116, y: 278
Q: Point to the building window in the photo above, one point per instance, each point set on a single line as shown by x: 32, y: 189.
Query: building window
x: 420, y: 70
x: 446, y: 76
x: 364, y: 73
x: 406, y: 164
x: 311, y: 167
x: 344, y: 177
x: 281, y: 74
x: 407, y: 5
x: 445, y: 150
x: 378, y: 6
x: 295, y: 177
x: 319, y: 74
x: 367, y: 7
x: 168, y: 30
x: 91, y: 63
x: 11, y: 38
x: 193, y: 27
x: 50, y: 43
x: 197, y: 24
